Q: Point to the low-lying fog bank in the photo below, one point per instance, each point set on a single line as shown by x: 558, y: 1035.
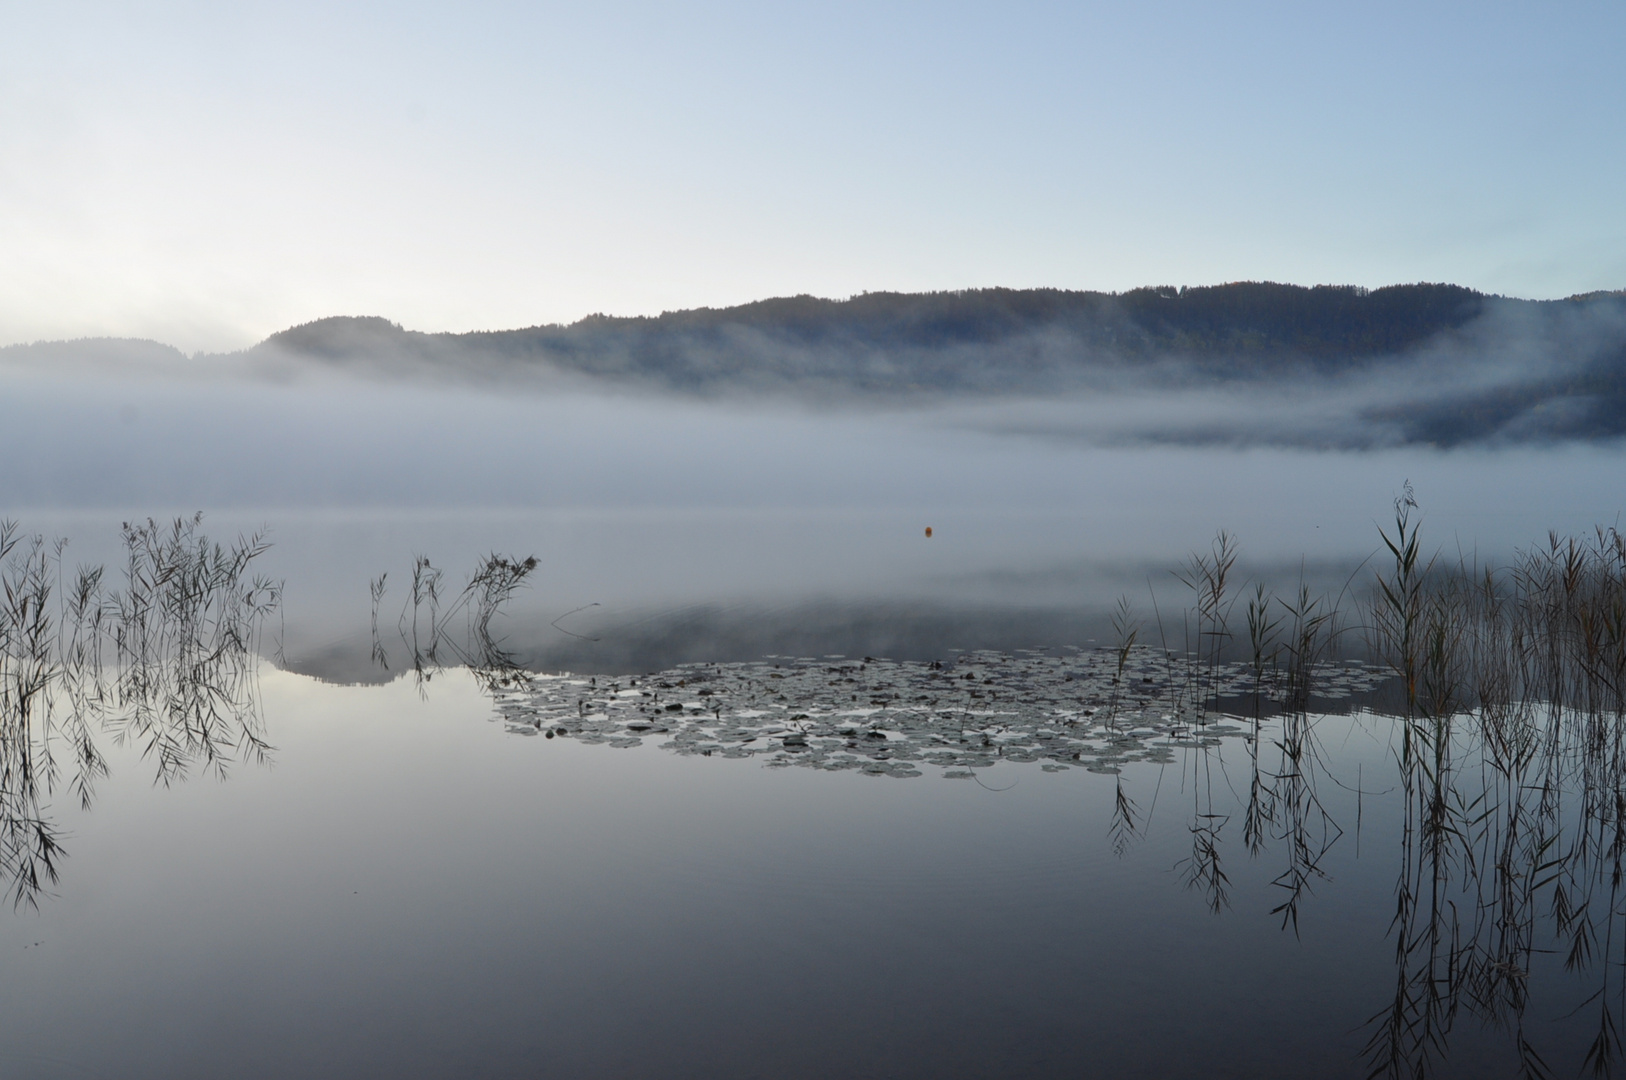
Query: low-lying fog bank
x: 1250, y: 363
x: 702, y: 525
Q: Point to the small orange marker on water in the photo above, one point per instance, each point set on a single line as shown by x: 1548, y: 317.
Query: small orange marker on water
x: 928, y: 532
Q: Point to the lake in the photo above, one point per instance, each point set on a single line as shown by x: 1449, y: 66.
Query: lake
x: 750, y: 776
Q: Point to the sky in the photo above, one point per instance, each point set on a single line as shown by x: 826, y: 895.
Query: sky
x: 205, y: 174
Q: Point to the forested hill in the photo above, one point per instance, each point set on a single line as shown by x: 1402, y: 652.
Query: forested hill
x: 1247, y: 362
x: 1253, y: 362
x: 1328, y: 322
x: 988, y: 339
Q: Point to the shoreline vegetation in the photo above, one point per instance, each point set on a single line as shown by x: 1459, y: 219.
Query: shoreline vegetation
x: 1414, y: 364
x: 168, y: 663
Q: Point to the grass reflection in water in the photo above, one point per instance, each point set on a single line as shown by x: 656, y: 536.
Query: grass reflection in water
x: 167, y: 662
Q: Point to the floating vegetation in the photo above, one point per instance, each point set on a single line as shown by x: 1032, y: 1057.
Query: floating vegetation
x: 169, y: 662
x: 1095, y: 710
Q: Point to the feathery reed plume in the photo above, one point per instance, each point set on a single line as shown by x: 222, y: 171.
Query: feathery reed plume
x: 376, y: 589
x: 1125, y: 630
x: 1208, y: 574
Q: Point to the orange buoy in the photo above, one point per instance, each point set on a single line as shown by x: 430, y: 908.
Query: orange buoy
x: 928, y: 532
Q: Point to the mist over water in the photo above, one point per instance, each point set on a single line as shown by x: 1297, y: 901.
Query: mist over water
x: 709, y: 516
x: 530, y: 881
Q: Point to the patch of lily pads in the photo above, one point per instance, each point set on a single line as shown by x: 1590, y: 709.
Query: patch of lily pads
x: 1096, y: 710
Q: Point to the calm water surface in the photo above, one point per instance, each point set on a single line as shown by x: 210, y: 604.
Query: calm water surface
x: 409, y: 888
x: 411, y: 891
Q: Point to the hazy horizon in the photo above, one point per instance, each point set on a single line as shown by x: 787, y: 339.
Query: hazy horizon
x: 588, y: 316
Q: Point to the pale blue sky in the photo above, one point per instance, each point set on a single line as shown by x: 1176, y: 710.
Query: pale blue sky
x: 207, y: 173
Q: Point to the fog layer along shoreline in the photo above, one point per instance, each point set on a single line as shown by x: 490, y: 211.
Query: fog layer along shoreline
x: 1330, y: 367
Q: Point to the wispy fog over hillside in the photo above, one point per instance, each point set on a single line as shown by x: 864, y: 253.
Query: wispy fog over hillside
x: 713, y: 470
x: 1242, y: 364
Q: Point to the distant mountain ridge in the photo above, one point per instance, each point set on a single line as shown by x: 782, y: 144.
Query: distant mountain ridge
x: 1340, y: 365
x: 908, y: 341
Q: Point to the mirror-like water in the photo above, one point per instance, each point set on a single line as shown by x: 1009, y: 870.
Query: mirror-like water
x: 671, y: 799
x: 409, y: 891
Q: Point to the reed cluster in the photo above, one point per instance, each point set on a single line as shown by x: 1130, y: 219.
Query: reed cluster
x: 1508, y: 721
x: 168, y: 661
x: 429, y: 633
x: 1510, y: 755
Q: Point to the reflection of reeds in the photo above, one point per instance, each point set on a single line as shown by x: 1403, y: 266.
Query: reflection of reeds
x: 185, y: 635
x: 425, y: 629
x: 1511, y: 759
x: 29, y: 846
x: 1511, y: 767
x: 1124, y: 826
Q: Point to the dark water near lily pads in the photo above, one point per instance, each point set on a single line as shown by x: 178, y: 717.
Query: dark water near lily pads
x: 761, y: 781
